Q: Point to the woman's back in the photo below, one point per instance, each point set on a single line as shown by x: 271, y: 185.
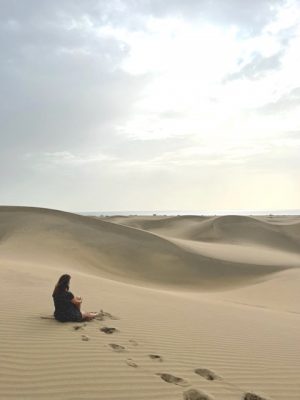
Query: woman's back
x: 65, y: 310
x: 67, y: 307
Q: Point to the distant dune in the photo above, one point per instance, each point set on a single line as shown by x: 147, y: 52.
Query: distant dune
x: 276, y: 232
x: 217, y: 293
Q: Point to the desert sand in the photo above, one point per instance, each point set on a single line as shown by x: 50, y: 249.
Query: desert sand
x: 203, y: 307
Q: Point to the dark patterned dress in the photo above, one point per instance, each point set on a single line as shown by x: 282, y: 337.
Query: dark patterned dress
x: 65, y: 310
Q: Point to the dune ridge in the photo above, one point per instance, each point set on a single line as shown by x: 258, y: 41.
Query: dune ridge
x: 261, y: 231
x: 193, y: 298
x: 131, y: 255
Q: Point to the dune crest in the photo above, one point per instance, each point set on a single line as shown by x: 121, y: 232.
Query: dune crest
x: 279, y: 233
x: 124, y: 253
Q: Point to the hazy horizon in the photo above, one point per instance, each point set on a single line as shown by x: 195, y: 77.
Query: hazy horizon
x: 191, y: 212
x: 150, y: 105
x: 173, y: 212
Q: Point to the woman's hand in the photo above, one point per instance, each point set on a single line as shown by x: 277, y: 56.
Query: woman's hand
x: 77, y: 300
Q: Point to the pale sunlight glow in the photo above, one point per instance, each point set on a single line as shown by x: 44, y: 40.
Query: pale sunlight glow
x: 148, y: 104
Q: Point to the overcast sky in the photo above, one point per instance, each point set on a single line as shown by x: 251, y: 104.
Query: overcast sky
x: 150, y: 104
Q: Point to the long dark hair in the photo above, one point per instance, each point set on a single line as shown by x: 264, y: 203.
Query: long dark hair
x: 62, y: 284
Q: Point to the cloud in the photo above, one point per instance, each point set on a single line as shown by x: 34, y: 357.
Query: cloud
x: 250, y: 17
x: 66, y: 158
x: 287, y: 102
x: 63, y: 85
x: 258, y: 67
x: 112, y: 104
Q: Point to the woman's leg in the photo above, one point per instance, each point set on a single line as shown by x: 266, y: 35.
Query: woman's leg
x: 87, y: 316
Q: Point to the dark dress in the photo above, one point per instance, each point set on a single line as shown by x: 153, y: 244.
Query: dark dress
x: 65, y: 310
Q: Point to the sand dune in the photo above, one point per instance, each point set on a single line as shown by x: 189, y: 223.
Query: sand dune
x: 120, y: 252
x: 204, y: 304
x: 260, y: 231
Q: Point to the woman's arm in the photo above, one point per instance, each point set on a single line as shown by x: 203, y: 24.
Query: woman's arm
x: 76, y: 300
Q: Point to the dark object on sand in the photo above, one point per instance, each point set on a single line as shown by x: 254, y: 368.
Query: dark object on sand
x: 173, y: 379
x: 252, y: 396
x: 206, y: 374
x: 155, y: 357
x: 77, y: 327
x: 108, y: 330
x: 117, y: 347
x: 193, y: 394
x: 102, y: 316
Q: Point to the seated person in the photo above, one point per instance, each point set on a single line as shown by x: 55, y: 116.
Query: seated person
x: 67, y: 306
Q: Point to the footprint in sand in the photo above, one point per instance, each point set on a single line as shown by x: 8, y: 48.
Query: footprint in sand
x: 85, y: 338
x: 252, y: 396
x: 108, y: 330
x: 133, y: 342
x: 155, y: 357
x: 207, y: 374
x: 131, y: 363
x: 102, y: 316
x: 77, y: 327
x: 194, y: 394
x: 117, y: 347
x: 173, y: 379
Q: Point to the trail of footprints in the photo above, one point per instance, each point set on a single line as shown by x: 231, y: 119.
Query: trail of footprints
x: 189, y: 394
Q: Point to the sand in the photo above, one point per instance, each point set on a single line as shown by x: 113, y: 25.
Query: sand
x: 202, y: 307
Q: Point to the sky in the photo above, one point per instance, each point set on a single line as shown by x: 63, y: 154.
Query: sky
x: 149, y: 104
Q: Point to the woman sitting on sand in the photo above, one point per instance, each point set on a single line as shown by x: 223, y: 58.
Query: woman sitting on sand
x: 67, y: 306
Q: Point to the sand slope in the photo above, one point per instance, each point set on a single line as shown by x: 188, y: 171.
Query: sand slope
x: 218, y: 293
x: 279, y: 233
